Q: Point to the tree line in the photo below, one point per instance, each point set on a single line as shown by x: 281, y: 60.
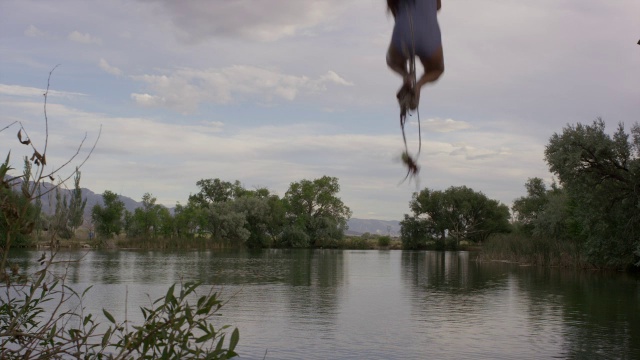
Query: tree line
x: 590, y: 212
x: 309, y: 214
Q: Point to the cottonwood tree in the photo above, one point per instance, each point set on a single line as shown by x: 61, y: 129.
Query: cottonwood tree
x: 69, y: 215
x: 601, y: 175
x: 463, y: 213
x: 314, y: 207
x: 145, y: 220
x: 108, y: 218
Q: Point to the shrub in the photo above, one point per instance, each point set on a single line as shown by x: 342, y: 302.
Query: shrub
x: 384, y: 241
x: 294, y: 237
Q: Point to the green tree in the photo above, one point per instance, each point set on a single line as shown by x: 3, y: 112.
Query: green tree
x: 314, y: 207
x: 227, y: 224
x: 60, y: 220
x: 76, y: 204
x: 108, y: 219
x: 527, y: 208
x: 415, y: 232
x: 146, y: 219
x: 186, y: 220
x: 166, y: 223
x: 17, y: 218
x: 464, y: 213
x: 215, y: 191
x: 601, y: 175
x: 263, y: 216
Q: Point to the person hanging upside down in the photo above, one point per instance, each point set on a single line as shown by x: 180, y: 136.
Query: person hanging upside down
x: 416, y: 23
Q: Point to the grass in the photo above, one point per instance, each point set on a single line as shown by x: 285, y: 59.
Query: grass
x: 532, y: 251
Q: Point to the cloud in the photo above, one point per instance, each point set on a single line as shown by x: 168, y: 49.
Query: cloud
x: 444, y: 125
x: 33, y: 31
x: 186, y: 88
x: 146, y: 100
x: 104, y: 65
x: 197, y: 20
x: 474, y: 153
x: 83, y: 38
x: 26, y: 91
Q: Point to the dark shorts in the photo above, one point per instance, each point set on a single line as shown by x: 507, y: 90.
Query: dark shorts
x: 417, y: 23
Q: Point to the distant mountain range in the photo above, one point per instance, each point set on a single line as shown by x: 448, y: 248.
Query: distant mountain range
x: 356, y: 226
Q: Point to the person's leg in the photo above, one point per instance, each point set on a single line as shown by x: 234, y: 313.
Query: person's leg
x: 397, y: 62
x: 433, y: 67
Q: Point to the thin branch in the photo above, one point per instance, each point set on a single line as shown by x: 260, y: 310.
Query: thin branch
x: 62, y: 181
x: 8, y: 126
x: 46, y: 120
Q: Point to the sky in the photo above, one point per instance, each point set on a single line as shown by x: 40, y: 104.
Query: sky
x: 275, y: 92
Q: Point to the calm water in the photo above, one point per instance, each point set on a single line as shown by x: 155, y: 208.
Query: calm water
x: 321, y: 304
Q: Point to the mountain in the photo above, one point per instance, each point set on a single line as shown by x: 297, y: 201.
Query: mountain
x: 380, y: 227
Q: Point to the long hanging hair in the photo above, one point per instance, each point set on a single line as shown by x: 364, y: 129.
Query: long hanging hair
x: 393, y: 6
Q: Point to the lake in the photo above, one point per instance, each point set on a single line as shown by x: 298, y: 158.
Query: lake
x: 348, y: 304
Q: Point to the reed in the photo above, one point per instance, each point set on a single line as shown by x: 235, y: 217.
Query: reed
x: 539, y: 251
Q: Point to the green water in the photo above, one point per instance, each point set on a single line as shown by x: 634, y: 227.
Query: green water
x: 341, y: 304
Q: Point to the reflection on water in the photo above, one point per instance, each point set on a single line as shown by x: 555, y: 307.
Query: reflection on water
x: 318, y: 304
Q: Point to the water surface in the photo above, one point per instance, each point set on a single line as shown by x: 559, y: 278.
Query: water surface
x: 320, y: 304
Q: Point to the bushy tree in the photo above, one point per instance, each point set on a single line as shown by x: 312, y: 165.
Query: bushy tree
x: 227, y: 224
x: 601, y: 175
x: 527, y: 208
x: 464, y: 213
x: 186, y: 220
x: 216, y: 191
x: 257, y: 207
x: 145, y: 220
x: 415, y: 232
x: 314, y: 207
x: 108, y: 218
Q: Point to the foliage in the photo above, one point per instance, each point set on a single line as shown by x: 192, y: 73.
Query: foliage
x: 294, y: 237
x: 416, y: 232
x: 357, y: 243
x: 69, y: 215
x: 384, y: 241
x: 108, y: 218
x: 226, y: 224
x: 76, y: 204
x: 216, y: 191
x: 17, y: 214
x: 314, y: 207
x: 527, y: 208
x: 145, y: 221
x: 37, y: 317
x: 173, y: 328
x: 601, y: 176
x: 533, y: 250
x: 459, y: 211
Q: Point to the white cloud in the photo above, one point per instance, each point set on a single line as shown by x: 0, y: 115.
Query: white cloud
x: 26, y: 91
x: 104, y: 65
x: 471, y: 152
x: 146, y: 100
x: 85, y: 38
x: 444, y: 125
x: 197, y: 20
x: 33, y: 31
x: 331, y: 76
x: 184, y: 89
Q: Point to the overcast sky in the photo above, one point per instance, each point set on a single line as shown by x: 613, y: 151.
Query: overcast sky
x: 269, y: 92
